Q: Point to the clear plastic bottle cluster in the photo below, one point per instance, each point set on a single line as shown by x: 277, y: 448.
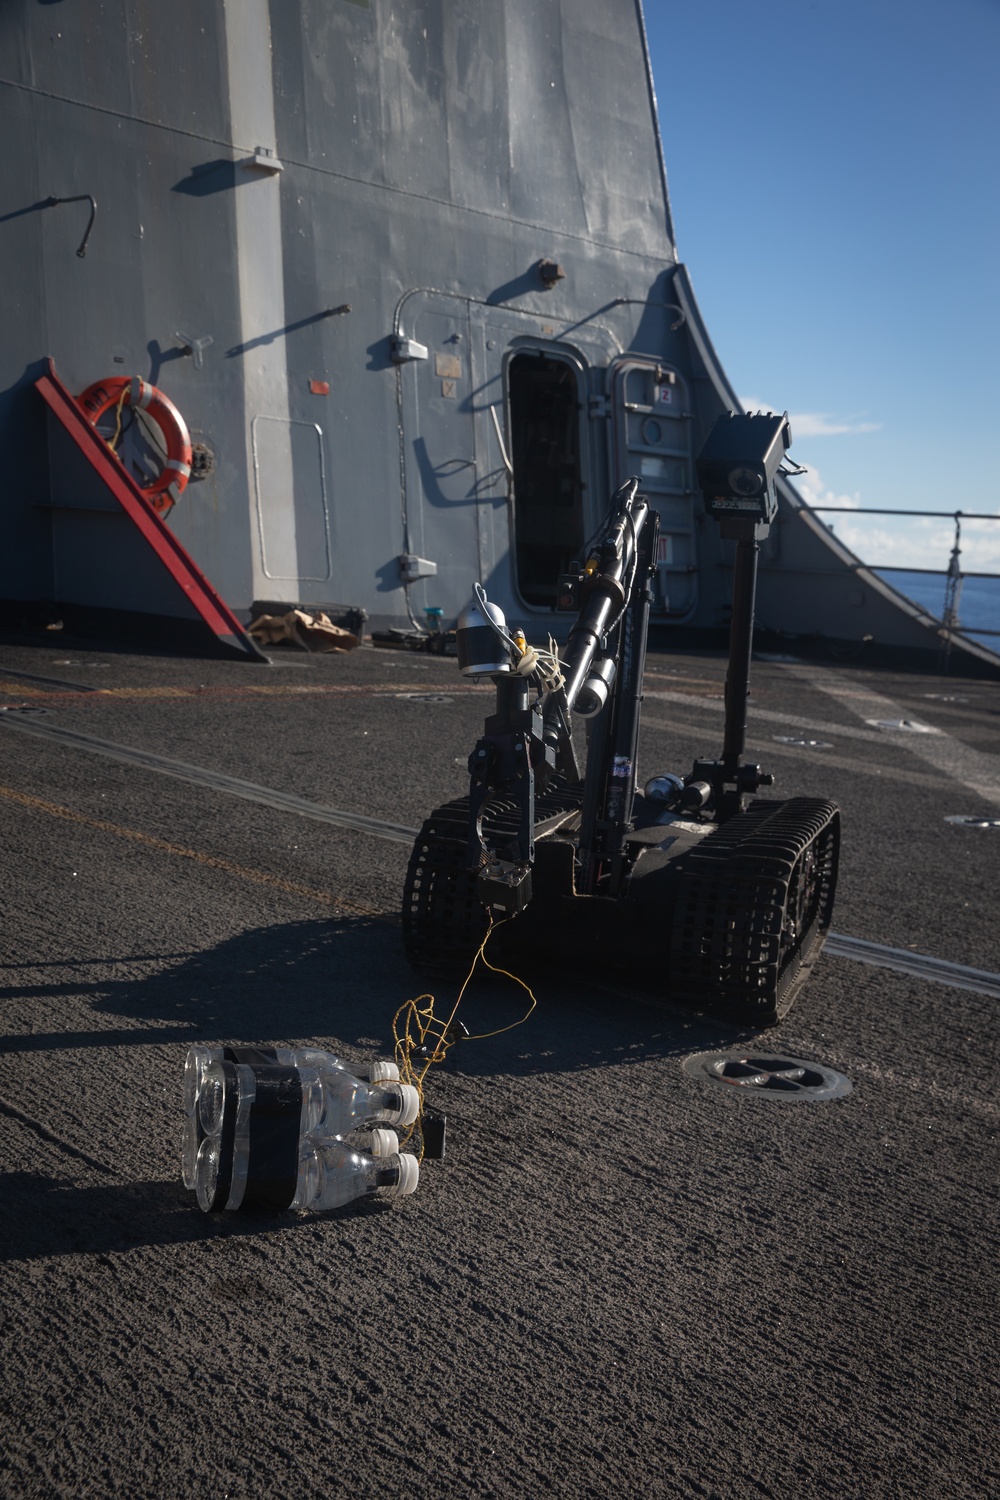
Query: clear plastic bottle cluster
x: 317, y: 1157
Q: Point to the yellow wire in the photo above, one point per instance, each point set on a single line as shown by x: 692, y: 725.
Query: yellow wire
x: 482, y: 1035
x: 427, y: 1024
x: 113, y: 444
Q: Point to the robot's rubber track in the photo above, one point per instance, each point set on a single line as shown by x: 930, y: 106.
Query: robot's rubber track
x: 752, y: 909
x: 443, y: 919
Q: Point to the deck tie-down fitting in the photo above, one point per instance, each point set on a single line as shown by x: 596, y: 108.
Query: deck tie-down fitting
x: 769, y: 1076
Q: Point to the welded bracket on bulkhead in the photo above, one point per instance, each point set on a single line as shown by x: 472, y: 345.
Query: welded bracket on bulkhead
x: 145, y: 556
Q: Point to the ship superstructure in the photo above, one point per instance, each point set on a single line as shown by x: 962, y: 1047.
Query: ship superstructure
x: 409, y: 273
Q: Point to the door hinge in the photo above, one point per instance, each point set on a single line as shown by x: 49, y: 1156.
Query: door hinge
x: 404, y: 349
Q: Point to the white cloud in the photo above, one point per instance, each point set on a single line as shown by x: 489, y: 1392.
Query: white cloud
x: 881, y: 541
x: 810, y: 487
x: 808, y: 424
x: 910, y: 541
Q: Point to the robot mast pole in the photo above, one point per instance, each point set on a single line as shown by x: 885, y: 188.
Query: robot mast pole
x: 740, y: 648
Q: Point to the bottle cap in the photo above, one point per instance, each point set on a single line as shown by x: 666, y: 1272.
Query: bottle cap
x: 384, y: 1143
x: 410, y: 1106
x: 409, y: 1176
x: 383, y: 1072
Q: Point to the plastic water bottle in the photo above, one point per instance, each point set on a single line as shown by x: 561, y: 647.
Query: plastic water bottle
x: 248, y: 1120
x: 320, y: 1073
x: 200, y: 1058
x: 332, y: 1174
x: 346, y: 1099
x: 219, y: 1171
x: 344, y: 1103
x: 196, y: 1065
x: 379, y: 1071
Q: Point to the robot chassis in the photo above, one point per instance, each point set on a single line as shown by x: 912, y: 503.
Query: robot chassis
x: 696, y: 890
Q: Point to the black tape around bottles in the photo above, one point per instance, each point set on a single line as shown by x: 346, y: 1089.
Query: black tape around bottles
x: 275, y: 1122
x: 273, y: 1127
x: 257, y: 1057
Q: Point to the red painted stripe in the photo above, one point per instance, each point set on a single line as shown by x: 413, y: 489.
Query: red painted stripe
x: 182, y: 568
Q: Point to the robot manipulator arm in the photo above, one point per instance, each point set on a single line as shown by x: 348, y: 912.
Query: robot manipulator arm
x: 523, y: 738
x: 506, y: 755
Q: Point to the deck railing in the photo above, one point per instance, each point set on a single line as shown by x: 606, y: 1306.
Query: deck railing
x: 954, y: 575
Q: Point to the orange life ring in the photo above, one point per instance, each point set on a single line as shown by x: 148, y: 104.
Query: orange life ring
x: 104, y: 395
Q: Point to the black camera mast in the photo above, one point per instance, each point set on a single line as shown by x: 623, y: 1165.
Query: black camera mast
x: 736, y: 472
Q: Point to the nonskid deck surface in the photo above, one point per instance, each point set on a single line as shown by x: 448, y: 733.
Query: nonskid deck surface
x: 621, y: 1280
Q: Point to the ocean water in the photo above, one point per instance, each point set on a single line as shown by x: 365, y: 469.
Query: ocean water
x: 978, y: 608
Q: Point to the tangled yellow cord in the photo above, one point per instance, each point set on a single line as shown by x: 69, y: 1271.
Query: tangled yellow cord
x: 113, y: 442
x: 416, y: 1027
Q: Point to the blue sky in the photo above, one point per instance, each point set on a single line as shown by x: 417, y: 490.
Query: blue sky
x: 833, y: 175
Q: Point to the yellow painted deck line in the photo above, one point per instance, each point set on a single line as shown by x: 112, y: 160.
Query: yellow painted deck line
x: 212, y: 861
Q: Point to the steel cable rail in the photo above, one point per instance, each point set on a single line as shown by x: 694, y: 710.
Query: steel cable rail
x: 954, y: 575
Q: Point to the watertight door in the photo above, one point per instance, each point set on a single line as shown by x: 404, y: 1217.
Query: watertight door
x: 540, y: 395
x: 505, y: 461
x: 651, y: 437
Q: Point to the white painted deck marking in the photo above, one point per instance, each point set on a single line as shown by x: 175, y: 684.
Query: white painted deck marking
x: 971, y: 768
x: 766, y: 749
x: 974, y: 769
x: 803, y: 722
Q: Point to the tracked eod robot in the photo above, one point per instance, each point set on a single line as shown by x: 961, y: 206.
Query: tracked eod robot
x: 696, y: 888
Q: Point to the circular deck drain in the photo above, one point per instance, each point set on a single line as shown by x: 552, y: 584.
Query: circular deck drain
x: 963, y: 820
x: 769, y: 1077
